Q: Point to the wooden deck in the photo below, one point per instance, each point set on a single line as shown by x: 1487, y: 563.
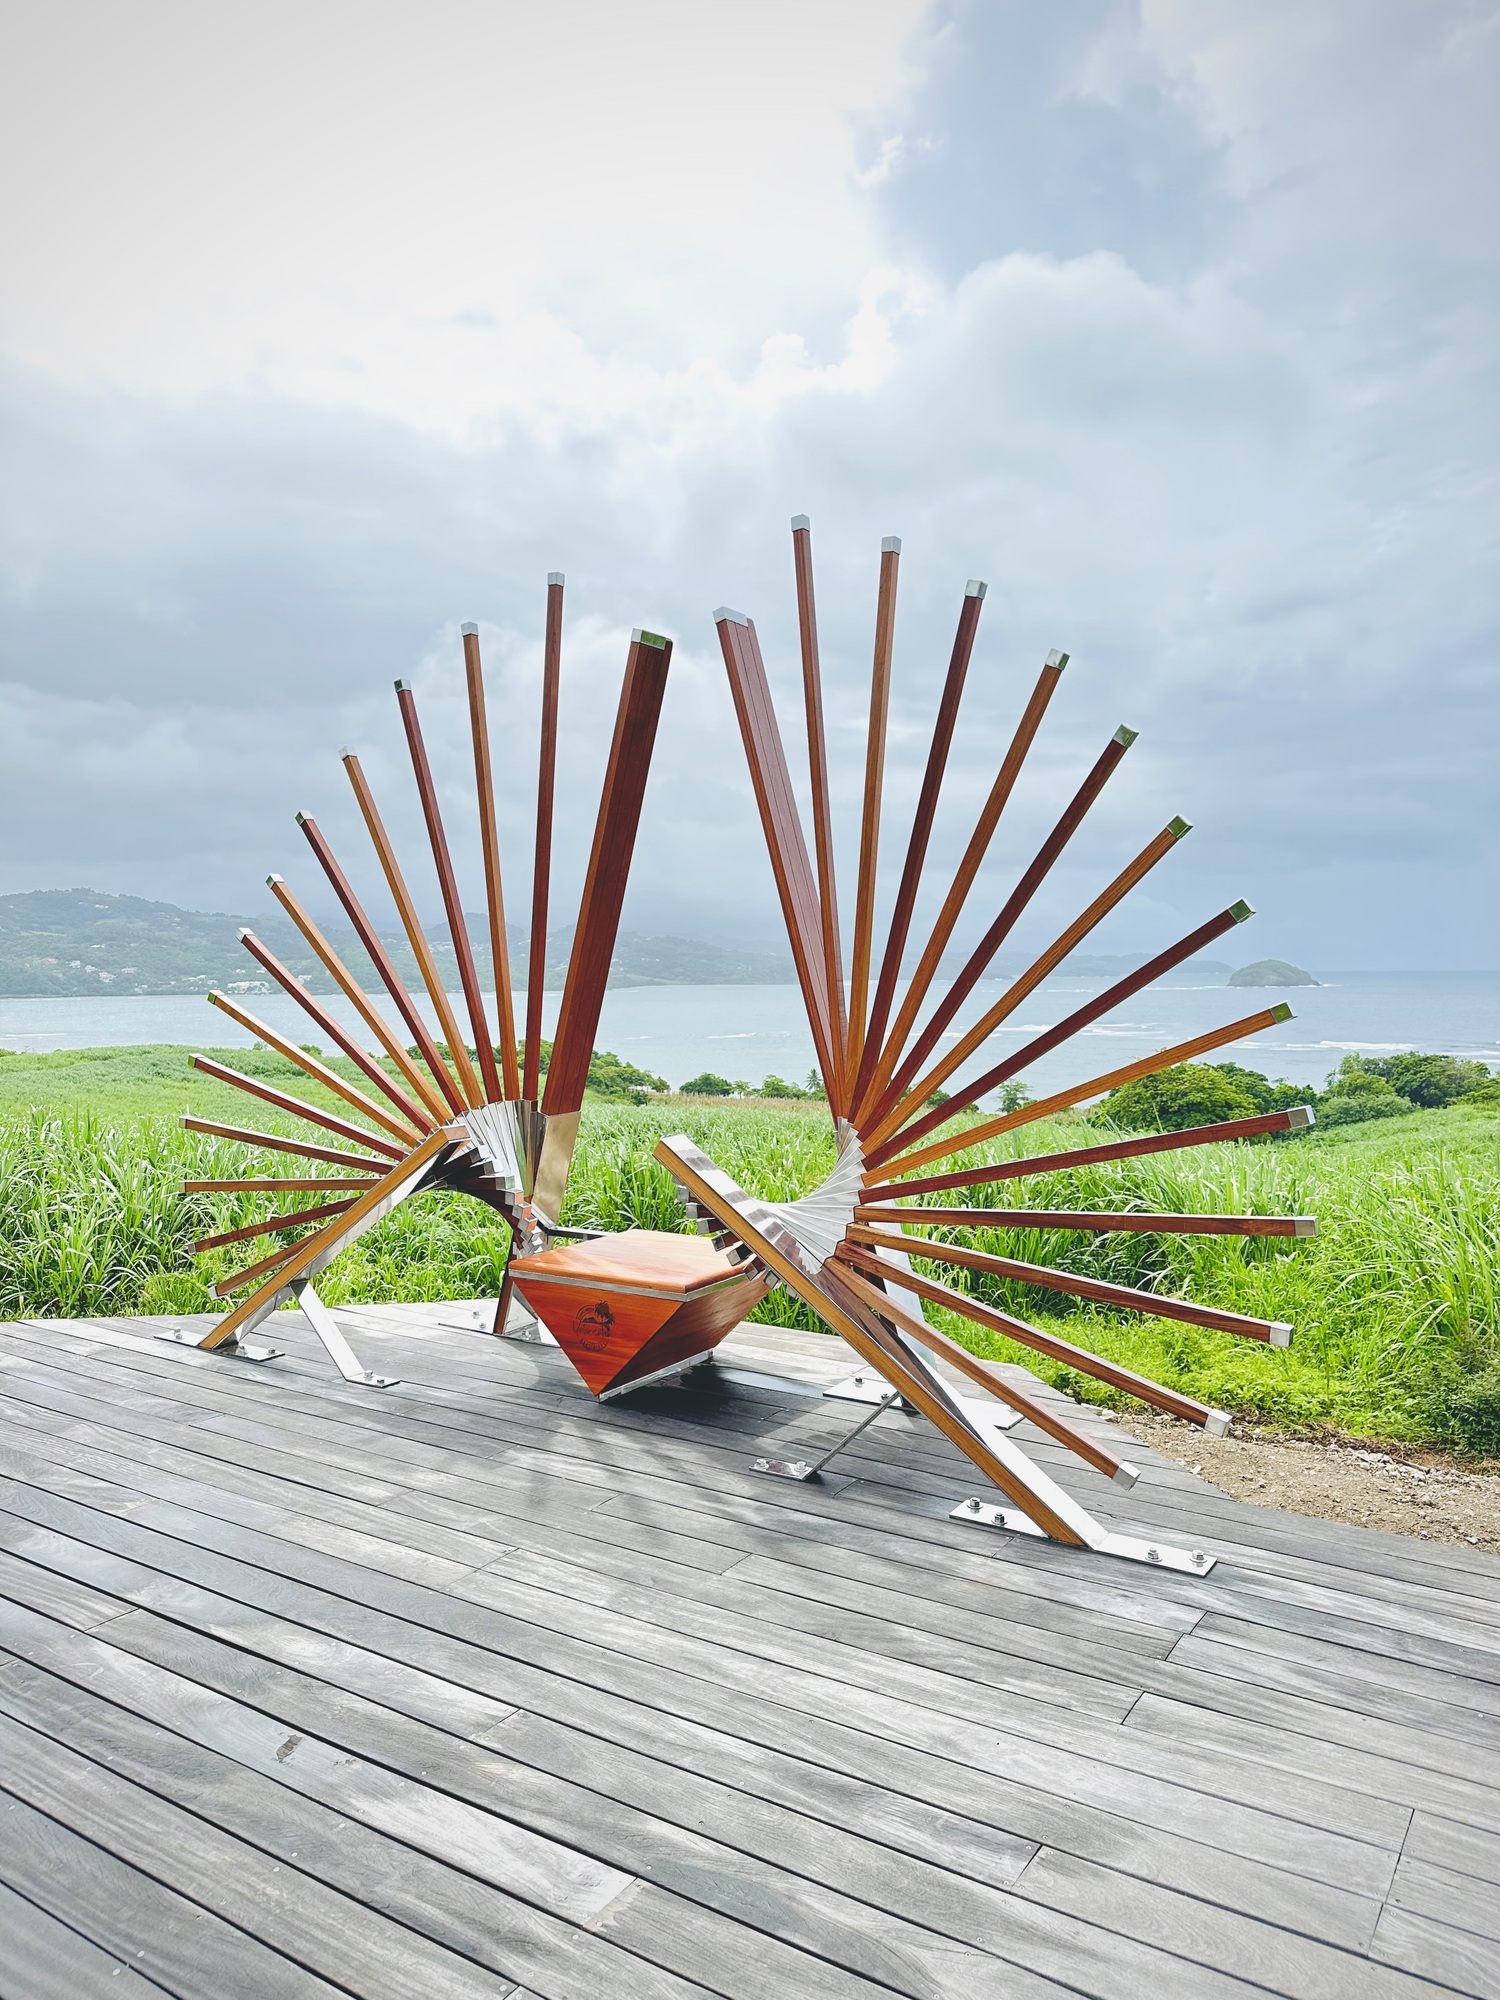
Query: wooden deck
x: 471, y: 1687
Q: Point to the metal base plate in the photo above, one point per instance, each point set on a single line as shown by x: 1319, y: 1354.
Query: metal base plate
x: 242, y: 1350
x: 785, y: 1468
x: 1129, y: 1548
x: 869, y: 1388
x: 664, y: 1378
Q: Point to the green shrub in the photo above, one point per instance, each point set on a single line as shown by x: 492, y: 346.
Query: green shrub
x: 707, y: 1085
x: 1173, y: 1099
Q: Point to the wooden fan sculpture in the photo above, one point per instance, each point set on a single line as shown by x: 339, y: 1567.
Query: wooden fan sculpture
x: 492, y: 1129
x: 845, y: 1250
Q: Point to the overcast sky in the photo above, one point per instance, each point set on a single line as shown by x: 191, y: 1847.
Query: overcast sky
x: 325, y: 327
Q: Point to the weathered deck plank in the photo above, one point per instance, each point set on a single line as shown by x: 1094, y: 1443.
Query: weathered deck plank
x: 476, y: 1687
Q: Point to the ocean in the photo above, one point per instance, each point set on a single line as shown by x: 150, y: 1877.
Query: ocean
x: 745, y: 1033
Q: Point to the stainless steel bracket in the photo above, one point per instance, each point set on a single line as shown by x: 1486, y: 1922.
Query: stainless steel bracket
x: 340, y: 1353
x: 233, y: 1350
x: 804, y: 1469
x: 1129, y: 1548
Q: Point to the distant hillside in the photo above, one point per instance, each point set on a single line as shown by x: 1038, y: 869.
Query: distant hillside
x: 70, y: 942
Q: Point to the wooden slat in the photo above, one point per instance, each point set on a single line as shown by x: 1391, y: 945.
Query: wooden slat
x: 891, y: 1163
x: 1139, y: 1221
x: 290, y: 1220
x: 1089, y: 1449
x: 963, y: 879
x: 297, y: 1106
x: 921, y: 834
x: 1226, y: 1131
x: 869, y: 825
x: 272, y: 1186
x: 275, y: 1143
x: 969, y: 1093
x: 489, y: 838
x: 608, y: 871
x: 238, y: 1279
x: 416, y: 937
x: 381, y: 959
x: 822, y: 811
x: 782, y: 825
x: 442, y: 859
x: 541, y: 864
x: 1134, y: 872
x: 355, y: 994
x: 307, y: 1251
x: 872, y: 1344
x: 319, y: 1071
x: 968, y: 1307
x: 416, y: 1115
x: 1125, y: 1297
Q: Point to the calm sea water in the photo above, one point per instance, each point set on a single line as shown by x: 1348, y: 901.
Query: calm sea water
x: 747, y: 1032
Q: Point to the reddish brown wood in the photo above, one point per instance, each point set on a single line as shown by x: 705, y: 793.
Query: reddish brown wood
x: 970, y: 1308
x: 963, y: 882
x: 297, y: 1106
x: 1136, y: 1220
x: 541, y: 868
x: 489, y: 840
x: 881, y: 1099
x: 973, y: 1038
x: 1124, y: 1296
x: 872, y: 1341
x: 969, y: 1094
x: 782, y: 826
x: 251, y: 1272
x: 381, y: 959
x: 822, y: 814
x: 270, y: 1184
x: 1078, y: 1093
x: 1227, y: 1129
x: 631, y: 1303
x: 416, y: 937
x: 608, y: 870
x: 921, y: 834
x: 275, y: 1143
x: 319, y: 1072
x: 349, y: 986
x: 453, y: 909
x: 869, y: 827
x: 414, y: 1113
x: 985, y: 1374
x: 306, y: 1253
x: 291, y: 1220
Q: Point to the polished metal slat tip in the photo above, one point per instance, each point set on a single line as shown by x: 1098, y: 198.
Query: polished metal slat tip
x: 1057, y: 660
x: 1125, y: 736
x: 1179, y: 826
x: 1240, y: 911
x: 641, y: 637
x: 800, y: 524
x: 891, y: 546
x: 467, y: 632
x: 725, y: 614
x: 403, y: 687
x: 272, y: 879
x: 556, y: 576
x: 1281, y: 1333
x: 975, y: 587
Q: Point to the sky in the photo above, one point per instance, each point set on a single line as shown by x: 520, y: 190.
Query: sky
x: 326, y: 327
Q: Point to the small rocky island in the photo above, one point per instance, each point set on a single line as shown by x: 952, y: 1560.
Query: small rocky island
x: 1272, y: 972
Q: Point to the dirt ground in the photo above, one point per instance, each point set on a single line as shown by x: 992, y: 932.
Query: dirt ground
x: 1417, y: 1493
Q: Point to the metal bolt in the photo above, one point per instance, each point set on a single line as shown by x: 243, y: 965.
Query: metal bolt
x: 1152, y: 1556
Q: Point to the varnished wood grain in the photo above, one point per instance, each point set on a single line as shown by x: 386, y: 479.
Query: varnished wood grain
x: 603, y: 896
x: 277, y: 1142
x: 822, y: 811
x: 541, y: 864
x: 494, y: 888
x: 319, y: 1071
x: 298, y: 1106
x: 869, y: 825
x: 963, y: 879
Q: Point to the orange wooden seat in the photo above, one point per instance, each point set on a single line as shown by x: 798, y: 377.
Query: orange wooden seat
x: 636, y: 1304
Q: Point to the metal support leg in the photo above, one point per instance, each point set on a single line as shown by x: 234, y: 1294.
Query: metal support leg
x: 801, y: 1468
x: 340, y: 1353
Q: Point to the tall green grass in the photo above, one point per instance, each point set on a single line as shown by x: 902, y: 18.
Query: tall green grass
x: 1396, y: 1304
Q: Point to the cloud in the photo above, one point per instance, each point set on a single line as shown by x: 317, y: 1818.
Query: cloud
x: 1169, y: 321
